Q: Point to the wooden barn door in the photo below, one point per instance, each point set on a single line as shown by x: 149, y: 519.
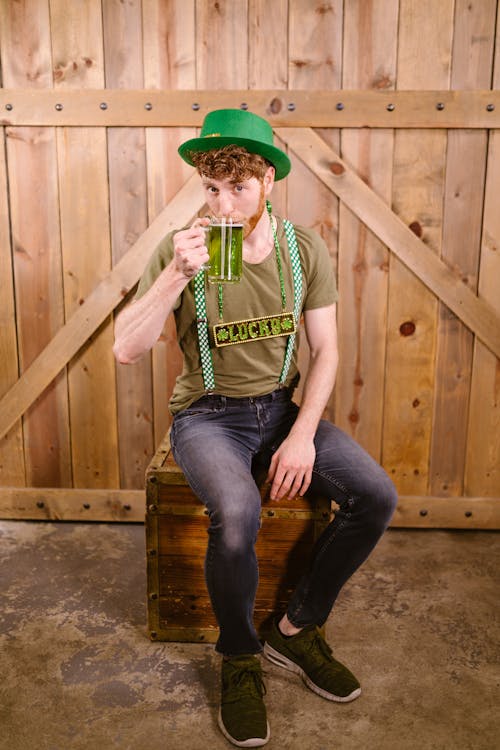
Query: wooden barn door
x: 390, y: 111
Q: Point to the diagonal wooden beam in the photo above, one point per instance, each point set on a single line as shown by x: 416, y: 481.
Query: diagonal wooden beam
x: 97, y: 307
x: 474, y: 312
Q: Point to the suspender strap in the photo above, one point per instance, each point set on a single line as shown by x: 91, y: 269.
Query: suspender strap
x: 293, y: 249
x: 207, y: 365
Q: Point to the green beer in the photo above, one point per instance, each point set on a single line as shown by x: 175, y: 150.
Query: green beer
x: 225, y: 250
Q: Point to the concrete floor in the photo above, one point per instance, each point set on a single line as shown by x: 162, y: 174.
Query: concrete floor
x: 418, y: 624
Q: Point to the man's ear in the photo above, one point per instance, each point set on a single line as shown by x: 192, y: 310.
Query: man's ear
x: 269, y: 180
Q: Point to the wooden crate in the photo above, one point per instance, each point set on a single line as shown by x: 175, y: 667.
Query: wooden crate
x: 176, y: 537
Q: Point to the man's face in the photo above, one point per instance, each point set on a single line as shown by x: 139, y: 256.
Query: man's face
x: 242, y: 201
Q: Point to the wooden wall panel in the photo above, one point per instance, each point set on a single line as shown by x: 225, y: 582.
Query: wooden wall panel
x: 315, y: 61
x: 370, y: 46
x: 169, y: 62
x: 31, y: 154
x: 122, y: 27
x: 419, y: 165
x: 221, y: 44
x: 483, y: 444
x: 462, y: 217
x: 268, y: 64
x: 11, y: 445
x: 415, y: 386
x: 268, y: 68
x: 83, y: 186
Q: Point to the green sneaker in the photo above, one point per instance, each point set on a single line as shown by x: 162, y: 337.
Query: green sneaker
x: 242, y: 715
x: 310, y: 656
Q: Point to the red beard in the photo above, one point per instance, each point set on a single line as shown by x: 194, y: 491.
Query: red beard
x: 250, y: 223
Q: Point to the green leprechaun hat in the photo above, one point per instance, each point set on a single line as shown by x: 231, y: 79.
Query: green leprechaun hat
x: 224, y: 127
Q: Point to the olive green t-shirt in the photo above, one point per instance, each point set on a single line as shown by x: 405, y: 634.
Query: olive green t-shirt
x: 252, y: 368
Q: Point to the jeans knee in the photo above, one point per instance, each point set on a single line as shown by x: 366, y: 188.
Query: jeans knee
x: 236, y: 529
x: 384, y: 499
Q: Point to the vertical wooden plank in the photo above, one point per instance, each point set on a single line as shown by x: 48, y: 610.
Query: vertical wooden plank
x: 370, y: 46
x: 268, y: 69
x: 11, y: 445
x: 268, y: 65
x: 122, y: 25
x: 27, y: 63
x: 267, y: 44
x: 221, y: 44
x: 425, y: 35
x: 169, y: 63
x: 473, y: 42
x: 78, y: 62
x: 483, y: 446
x: 315, y: 62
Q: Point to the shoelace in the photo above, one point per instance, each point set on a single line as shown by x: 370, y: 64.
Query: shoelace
x: 317, y: 643
x: 249, y: 680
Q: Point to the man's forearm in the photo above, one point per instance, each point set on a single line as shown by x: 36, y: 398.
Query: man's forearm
x: 139, y: 325
x: 319, y: 384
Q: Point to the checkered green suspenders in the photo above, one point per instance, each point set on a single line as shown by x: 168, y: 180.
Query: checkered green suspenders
x: 207, y: 365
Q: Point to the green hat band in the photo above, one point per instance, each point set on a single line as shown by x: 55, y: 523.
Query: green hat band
x: 238, y: 127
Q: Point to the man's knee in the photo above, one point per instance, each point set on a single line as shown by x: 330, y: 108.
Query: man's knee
x: 382, y: 498
x: 236, y: 525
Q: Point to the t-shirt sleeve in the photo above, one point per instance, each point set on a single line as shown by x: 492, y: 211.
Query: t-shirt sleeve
x: 159, y: 260
x: 321, y: 286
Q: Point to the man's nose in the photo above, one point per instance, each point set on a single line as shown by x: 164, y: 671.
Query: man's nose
x: 225, y: 204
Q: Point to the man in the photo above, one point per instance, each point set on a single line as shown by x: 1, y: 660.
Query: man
x: 233, y: 407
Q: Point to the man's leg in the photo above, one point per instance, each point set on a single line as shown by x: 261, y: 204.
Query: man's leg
x: 217, y: 465
x: 213, y: 446
x: 366, y: 497
x: 344, y: 472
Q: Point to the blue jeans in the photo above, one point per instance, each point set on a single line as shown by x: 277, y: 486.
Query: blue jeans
x: 217, y: 442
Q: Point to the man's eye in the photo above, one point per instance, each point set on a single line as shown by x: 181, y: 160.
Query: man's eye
x: 238, y: 188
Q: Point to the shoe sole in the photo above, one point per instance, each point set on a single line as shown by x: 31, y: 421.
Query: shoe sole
x: 251, y: 742
x: 281, y: 661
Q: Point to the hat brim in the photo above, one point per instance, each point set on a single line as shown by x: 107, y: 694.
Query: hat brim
x: 278, y: 158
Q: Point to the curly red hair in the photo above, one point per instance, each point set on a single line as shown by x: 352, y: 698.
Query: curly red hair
x: 230, y: 162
